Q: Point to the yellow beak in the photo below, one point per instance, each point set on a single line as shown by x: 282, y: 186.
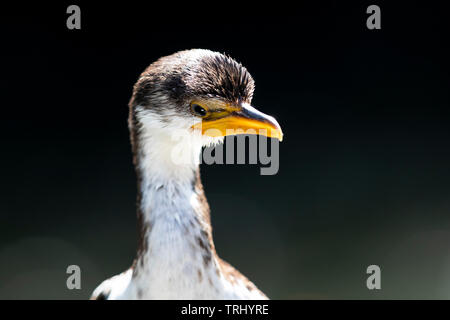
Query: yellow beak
x: 243, y: 120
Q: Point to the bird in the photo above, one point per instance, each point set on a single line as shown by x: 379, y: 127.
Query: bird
x: 201, y: 96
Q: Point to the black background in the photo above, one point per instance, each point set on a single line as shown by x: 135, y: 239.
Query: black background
x: 364, y: 166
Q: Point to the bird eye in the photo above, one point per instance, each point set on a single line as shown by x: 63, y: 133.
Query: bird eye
x: 198, y: 110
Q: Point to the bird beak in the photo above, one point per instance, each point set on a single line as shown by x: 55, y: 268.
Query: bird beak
x: 240, y: 120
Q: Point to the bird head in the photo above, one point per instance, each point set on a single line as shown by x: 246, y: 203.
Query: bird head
x: 199, y: 93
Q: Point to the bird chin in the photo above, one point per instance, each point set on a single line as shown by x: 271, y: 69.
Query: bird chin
x: 208, y: 141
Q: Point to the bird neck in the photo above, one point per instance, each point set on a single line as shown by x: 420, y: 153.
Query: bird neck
x: 173, y: 214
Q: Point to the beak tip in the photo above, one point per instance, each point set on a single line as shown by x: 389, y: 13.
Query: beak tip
x: 279, y: 133
x: 280, y: 136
